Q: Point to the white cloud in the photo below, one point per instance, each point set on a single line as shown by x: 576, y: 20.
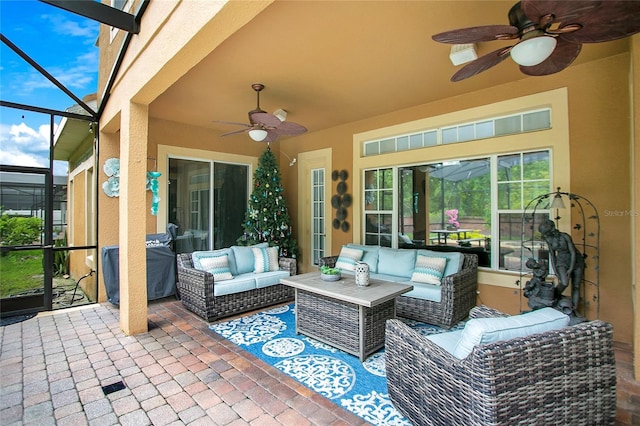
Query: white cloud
x: 24, y: 146
x: 61, y: 25
x: 15, y: 158
x: 21, y: 145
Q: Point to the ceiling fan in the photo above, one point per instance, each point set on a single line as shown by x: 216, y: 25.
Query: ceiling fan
x: 550, y: 33
x: 265, y: 127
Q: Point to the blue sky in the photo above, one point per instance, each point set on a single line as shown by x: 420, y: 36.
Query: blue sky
x: 62, y: 43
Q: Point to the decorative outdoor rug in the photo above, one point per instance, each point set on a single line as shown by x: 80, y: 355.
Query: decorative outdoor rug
x: 358, y: 387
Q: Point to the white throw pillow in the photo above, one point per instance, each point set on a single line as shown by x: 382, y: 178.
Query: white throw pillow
x: 348, y: 257
x: 266, y: 259
x: 429, y: 269
x: 218, y: 266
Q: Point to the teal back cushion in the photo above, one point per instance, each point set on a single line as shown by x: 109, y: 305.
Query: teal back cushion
x: 396, y: 262
x: 245, y: 262
x: 370, y: 256
x: 197, y: 255
x: 480, y: 331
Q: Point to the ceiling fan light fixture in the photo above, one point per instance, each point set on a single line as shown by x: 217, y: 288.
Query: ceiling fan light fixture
x: 533, y: 51
x: 258, y: 135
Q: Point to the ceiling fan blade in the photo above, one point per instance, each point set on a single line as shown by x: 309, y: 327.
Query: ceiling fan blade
x: 477, y: 34
x: 612, y: 20
x: 235, y: 132
x: 287, y: 128
x: 268, y: 120
x: 272, y: 135
x: 235, y: 123
x: 563, y: 55
x: 483, y: 63
x: 563, y: 11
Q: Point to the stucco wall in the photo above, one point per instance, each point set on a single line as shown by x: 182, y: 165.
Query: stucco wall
x: 599, y: 120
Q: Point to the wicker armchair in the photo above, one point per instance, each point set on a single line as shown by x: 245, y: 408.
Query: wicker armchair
x: 459, y: 292
x: 565, y: 376
x: 196, y: 291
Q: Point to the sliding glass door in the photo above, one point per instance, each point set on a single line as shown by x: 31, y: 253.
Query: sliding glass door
x: 207, y: 201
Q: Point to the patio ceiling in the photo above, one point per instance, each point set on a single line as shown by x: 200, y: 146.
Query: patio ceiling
x: 333, y: 62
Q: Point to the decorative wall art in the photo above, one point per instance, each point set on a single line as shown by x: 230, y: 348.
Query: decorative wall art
x: 341, y: 201
x: 111, y: 186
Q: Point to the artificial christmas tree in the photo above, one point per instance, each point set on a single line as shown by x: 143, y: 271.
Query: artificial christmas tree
x: 267, y: 218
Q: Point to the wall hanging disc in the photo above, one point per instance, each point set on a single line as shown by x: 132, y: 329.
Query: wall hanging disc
x: 346, y: 200
x: 341, y: 214
x: 336, y: 223
x: 345, y: 226
x: 336, y: 201
x: 344, y: 174
x: 335, y: 175
x: 342, y: 188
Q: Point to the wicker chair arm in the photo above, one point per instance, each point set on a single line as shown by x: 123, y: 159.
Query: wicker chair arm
x: 460, y: 282
x: 403, y: 338
x: 329, y: 261
x: 483, y: 311
x: 288, y: 264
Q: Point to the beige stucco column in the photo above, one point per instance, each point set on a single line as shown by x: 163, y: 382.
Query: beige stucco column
x: 134, y: 131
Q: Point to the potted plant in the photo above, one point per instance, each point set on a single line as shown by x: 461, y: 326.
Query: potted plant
x: 328, y: 273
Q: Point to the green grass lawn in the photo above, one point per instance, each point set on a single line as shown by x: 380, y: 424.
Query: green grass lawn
x: 20, y: 271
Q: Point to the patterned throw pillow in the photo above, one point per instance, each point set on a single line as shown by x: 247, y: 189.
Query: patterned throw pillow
x: 266, y: 259
x: 218, y: 266
x: 348, y: 257
x: 429, y: 269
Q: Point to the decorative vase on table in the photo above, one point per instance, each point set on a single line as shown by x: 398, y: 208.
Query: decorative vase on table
x: 362, y: 274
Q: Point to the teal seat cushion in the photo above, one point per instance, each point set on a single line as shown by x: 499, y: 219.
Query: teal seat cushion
x: 454, y: 260
x: 267, y: 279
x: 479, y: 331
x: 242, y: 282
x: 244, y: 259
x: 370, y: 256
x: 447, y: 341
x: 396, y: 262
x: 424, y: 291
x: 391, y: 278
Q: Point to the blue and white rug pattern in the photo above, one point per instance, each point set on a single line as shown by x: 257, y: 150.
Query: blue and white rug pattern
x: 360, y: 387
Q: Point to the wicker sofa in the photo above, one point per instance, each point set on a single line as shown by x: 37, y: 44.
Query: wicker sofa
x: 561, y: 376
x: 213, y: 299
x: 444, y: 305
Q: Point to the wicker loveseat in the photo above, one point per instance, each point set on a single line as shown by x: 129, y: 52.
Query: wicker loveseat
x: 212, y: 299
x: 564, y: 376
x: 444, y: 305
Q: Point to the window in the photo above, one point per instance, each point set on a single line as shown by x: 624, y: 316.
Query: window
x: 475, y: 202
x: 520, y: 178
x: 125, y: 6
x: 498, y: 126
x: 207, y: 201
x: 317, y: 214
x: 379, y: 206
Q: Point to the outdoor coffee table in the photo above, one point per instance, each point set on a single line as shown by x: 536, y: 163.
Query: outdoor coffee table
x: 343, y: 315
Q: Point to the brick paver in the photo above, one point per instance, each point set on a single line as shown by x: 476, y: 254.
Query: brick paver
x: 53, y: 368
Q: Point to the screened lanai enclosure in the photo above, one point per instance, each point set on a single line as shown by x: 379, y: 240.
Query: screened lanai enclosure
x: 48, y: 203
